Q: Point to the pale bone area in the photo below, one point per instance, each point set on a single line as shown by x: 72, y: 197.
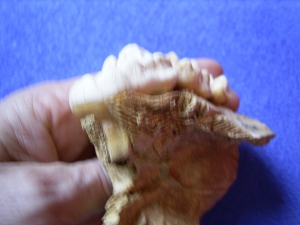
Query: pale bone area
x: 170, y: 153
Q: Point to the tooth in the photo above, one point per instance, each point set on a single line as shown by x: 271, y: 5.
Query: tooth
x: 84, y: 92
x: 195, y: 66
x: 187, y: 78
x: 173, y: 58
x: 131, y: 52
x: 204, y: 86
x: 117, y: 141
x: 194, y: 79
x: 109, y: 64
x: 135, y: 69
x: 158, y: 57
x: 219, y: 86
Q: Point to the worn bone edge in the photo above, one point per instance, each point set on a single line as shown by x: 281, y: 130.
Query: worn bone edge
x: 221, y: 122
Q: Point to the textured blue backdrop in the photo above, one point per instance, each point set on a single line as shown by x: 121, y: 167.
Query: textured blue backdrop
x: 257, y: 42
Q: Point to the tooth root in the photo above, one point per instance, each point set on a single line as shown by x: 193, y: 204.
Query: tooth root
x: 117, y: 141
x: 103, y: 128
x: 219, y: 87
x: 121, y: 178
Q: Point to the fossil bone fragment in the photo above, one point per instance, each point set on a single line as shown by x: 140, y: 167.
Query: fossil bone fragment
x: 170, y: 154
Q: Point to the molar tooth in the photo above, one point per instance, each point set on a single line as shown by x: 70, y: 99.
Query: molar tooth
x: 195, y: 66
x: 194, y: 79
x: 185, y: 64
x: 83, y: 92
x: 109, y: 64
x: 173, y: 58
x: 160, y: 60
x: 218, y: 88
x: 206, y: 73
x: 130, y: 51
x: 156, y: 81
x: 107, y: 85
x: 186, y: 78
x: 147, y: 61
x: 203, y: 89
x: 157, y: 56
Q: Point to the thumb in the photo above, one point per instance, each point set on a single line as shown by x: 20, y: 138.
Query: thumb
x: 52, y: 193
x: 82, y: 189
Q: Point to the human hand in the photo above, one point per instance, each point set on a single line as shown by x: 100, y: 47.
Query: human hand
x: 37, y: 130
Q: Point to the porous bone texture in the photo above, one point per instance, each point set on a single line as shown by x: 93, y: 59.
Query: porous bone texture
x: 182, y: 155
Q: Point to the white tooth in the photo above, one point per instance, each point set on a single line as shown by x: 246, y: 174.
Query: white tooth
x: 186, y: 79
x: 129, y: 52
x: 147, y: 60
x: 185, y: 63
x: 139, y: 70
x: 109, y: 64
x: 83, y: 91
x: 211, y: 79
x: 127, y: 56
x: 205, y: 72
x: 195, y: 65
x: 194, y: 79
x: 117, y: 140
x: 203, y: 88
x: 157, y: 56
x: 161, y: 61
x: 156, y: 81
x: 108, y: 85
x: 173, y: 58
x: 219, y: 88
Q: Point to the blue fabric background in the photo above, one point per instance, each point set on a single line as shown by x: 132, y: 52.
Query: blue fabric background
x: 257, y: 42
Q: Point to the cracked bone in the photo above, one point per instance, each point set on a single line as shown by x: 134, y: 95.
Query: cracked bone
x: 170, y: 154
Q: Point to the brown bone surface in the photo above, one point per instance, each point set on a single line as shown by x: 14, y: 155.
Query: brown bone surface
x: 183, y: 156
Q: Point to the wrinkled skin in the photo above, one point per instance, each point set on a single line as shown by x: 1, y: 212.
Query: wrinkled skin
x: 42, y: 145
